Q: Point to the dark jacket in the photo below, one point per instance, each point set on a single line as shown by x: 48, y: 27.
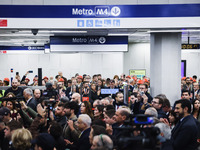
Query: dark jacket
x: 184, y: 134
x: 32, y: 104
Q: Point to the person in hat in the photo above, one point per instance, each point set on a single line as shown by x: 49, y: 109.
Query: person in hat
x: 5, y: 114
x: 6, y: 82
x: 44, y: 141
x: 79, y: 80
x: 27, y: 81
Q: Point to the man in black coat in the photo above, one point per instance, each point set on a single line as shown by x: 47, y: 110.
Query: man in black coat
x: 184, y: 134
x: 14, y: 89
x: 30, y: 101
x: 83, y: 124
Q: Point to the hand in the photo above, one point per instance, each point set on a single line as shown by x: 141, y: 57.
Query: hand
x: 71, y: 124
x: 23, y: 105
x: 67, y: 142
x: 98, y: 92
x: 165, y: 121
x: 109, y: 129
x: 41, y: 110
x: 27, y: 73
x: 145, y: 98
x: 51, y: 115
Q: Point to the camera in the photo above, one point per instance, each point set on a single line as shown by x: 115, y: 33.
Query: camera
x: 138, y: 133
x: 50, y: 104
x: 142, y: 93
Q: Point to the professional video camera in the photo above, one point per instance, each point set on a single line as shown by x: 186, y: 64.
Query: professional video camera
x: 50, y: 104
x: 49, y: 92
x: 138, y: 133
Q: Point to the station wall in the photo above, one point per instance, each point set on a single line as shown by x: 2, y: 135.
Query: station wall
x: 108, y: 64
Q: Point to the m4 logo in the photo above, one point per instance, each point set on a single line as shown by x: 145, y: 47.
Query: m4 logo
x: 102, y: 11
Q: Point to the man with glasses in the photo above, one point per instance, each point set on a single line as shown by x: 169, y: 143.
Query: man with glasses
x: 157, y: 103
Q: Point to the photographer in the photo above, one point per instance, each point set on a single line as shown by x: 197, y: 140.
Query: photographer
x: 49, y: 92
x: 86, y: 89
x: 60, y: 90
x: 143, y: 89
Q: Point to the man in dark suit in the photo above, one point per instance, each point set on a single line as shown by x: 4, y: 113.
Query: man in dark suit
x: 83, y: 124
x: 184, y: 134
x: 30, y: 101
x: 121, y: 115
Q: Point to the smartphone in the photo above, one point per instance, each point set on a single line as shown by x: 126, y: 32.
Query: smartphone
x: 17, y: 73
x: 141, y: 93
x: 30, y: 71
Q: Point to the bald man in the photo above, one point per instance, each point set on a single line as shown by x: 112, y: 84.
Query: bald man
x: 14, y: 89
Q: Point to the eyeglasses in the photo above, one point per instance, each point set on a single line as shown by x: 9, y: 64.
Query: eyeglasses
x: 154, y: 102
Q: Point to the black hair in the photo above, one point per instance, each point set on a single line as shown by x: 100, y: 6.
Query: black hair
x: 184, y: 91
x: 97, y: 130
x: 73, y: 105
x: 184, y: 103
x: 13, y: 125
x: 194, y: 76
x: 134, y: 94
x: 110, y: 113
x: 55, y: 130
x: 99, y: 122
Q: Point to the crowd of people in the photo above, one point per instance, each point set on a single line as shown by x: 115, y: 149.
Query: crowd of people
x: 75, y: 114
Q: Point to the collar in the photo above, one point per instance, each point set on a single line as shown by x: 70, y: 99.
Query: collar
x: 28, y: 100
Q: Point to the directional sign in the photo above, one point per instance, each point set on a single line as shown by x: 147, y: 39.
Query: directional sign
x: 115, y: 11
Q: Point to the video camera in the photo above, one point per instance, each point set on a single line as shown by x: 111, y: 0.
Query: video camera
x: 50, y: 104
x: 138, y: 133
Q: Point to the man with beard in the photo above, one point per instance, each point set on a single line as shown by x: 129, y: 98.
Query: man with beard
x: 71, y: 109
x: 119, y: 100
x: 14, y: 89
x: 60, y: 115
x: 37, y: 94
x: 185, y: 133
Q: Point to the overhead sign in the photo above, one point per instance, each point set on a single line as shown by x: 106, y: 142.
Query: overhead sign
x: 105, y: 11
x: 138, y: 72
x: 22, y: 48
x: 91, y: 43
x: 190, y: 46
x: 100, y: 16
x: 109, y: 91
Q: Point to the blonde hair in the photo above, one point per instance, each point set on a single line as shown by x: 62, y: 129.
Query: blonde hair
x: 21, y: 139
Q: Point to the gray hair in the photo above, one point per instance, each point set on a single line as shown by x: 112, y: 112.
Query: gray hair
x: 151, y: 111
x: 28, y: 91
x: 104, y: 142
x: 165, y: 129
x: 85, y: 119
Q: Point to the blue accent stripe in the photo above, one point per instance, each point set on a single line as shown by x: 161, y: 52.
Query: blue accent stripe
x: 25, y: 48
x: 127, y: 11
x: 94, y: 40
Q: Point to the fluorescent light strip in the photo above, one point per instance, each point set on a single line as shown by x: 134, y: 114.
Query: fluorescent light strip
x: 157, y: 31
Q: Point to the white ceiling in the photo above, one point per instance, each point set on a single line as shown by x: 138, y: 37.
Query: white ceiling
x: 25, y: 37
